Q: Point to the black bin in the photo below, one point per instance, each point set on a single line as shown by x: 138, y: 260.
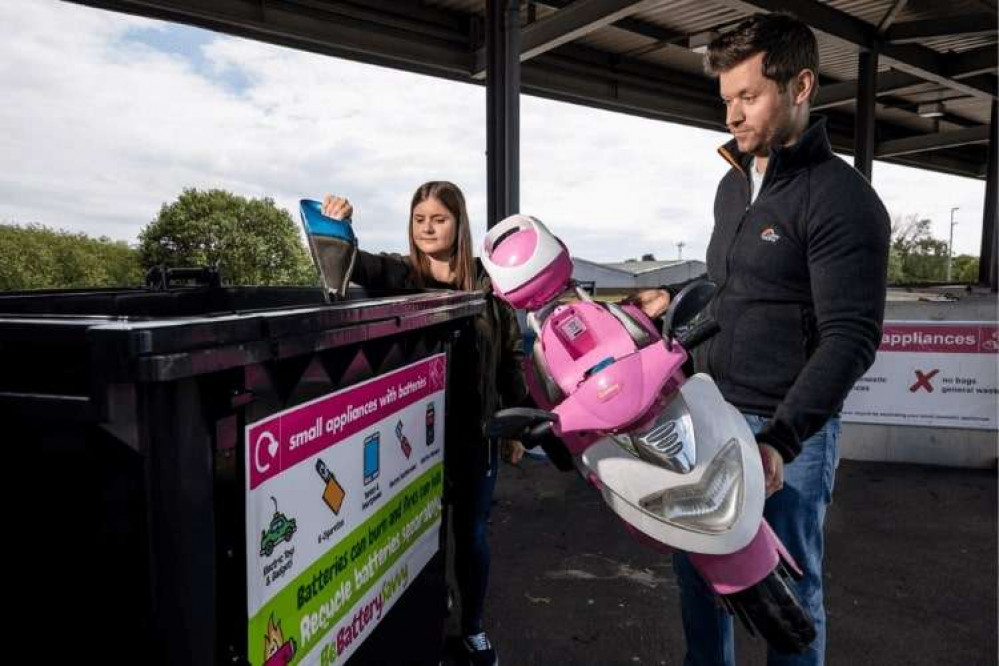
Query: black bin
x: 178, y: 444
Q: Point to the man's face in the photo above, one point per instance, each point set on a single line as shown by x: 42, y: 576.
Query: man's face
x: 757, y: 114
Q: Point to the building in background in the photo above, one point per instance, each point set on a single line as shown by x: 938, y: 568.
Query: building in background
x: 628, y: 275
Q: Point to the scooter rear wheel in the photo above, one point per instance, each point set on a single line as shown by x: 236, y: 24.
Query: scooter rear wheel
x: 776, y: 613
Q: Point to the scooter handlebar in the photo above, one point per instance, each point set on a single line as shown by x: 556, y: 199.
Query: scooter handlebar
x: 698, y: 333
x: 532, y: 427
x: 519, y: 422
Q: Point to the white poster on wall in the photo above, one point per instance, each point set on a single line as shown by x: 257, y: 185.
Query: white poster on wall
x: 938, y: 374
x: 343, y: 509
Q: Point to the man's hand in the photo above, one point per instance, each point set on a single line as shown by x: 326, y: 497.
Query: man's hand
x: 653, y: 302
x: 337, y: 207
x: 773, y: 468
x: 512, y: 451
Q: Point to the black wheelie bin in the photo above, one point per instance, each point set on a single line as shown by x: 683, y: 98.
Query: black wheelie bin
x: 241, y: 475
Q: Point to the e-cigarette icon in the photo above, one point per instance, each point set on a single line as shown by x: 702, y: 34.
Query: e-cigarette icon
x: 403, y: 440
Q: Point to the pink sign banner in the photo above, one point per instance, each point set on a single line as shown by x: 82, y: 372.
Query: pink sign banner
x: 973, y: 338
x: 287, y: 438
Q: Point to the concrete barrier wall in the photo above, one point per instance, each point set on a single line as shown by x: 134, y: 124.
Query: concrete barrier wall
x: 951, y: 447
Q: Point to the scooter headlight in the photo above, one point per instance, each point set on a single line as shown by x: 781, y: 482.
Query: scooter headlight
x: 712, y: 504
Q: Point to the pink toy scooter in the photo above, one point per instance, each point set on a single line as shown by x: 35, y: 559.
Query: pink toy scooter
x: 675, y: 461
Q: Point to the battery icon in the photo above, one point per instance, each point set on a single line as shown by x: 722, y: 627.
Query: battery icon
x: 431, y: 419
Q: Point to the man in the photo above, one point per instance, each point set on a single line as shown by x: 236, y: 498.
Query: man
x: 799, y: 251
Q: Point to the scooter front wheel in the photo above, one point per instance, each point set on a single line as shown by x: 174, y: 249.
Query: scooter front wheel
x: 773, y: 609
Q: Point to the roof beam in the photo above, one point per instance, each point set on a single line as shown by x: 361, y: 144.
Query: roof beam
x: 932, y: 66
x: 915, y: 59
x: 965, y: 24
x: 988, y: 5
x: 395, y: 42
x: 892, y: 14
x: 927, y: 142
x: 567, y: 24
x: 823, y: 18
x: 846, y: 91
x: 632, y: 25
x: 971, y: 63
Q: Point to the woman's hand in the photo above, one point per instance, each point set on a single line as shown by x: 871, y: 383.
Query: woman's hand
x: 512, y: 451
x: 339, y: 208
x: 653, y: 302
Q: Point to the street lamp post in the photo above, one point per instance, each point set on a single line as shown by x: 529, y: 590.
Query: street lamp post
x: 950, y: 244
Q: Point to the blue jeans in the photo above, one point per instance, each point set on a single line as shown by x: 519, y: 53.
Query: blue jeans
x: 472, y: 498
x: 796, y: 513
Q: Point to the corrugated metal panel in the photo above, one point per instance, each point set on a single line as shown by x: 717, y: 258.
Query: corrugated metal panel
x: 959, y: 43
x: 669, y: 25
x: 871, y: 11
x: 918, y: 10
x: 691, y: 16
x: 617, y: 41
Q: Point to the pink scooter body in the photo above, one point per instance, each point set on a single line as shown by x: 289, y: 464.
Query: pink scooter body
x: 620, y: 395
x: 611, y: 386
x: 728, y: 574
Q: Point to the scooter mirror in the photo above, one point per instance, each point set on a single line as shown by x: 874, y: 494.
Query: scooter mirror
x: 686, y: 305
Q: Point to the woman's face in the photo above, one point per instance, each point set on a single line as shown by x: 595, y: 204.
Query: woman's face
x: 434, y: 228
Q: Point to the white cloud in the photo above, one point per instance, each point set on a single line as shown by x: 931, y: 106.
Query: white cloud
x: 99, y: 129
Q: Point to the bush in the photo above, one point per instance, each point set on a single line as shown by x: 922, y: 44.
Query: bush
x: 36, y: 257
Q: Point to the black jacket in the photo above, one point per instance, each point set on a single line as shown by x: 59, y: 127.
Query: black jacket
x: 802, y: 277
x: 486, y: 368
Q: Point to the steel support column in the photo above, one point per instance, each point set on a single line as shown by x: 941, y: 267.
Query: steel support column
x: 987, y: 257
x: 863, y: 129
x: 502, y: 108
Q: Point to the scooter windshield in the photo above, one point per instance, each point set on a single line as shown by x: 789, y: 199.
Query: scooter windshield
x: 666, y: 439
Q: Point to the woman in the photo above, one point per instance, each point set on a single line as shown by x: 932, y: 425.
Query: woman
x: 486, y: 366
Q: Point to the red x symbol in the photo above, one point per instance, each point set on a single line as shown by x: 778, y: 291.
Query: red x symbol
x: 923, y: 381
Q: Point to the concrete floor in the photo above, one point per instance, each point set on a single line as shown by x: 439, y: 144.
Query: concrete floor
x: 911, y: 573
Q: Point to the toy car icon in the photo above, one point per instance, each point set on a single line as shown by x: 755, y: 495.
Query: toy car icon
x: 281, y: 529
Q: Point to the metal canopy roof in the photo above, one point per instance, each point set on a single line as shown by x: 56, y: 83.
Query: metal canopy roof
x: 638, y: 57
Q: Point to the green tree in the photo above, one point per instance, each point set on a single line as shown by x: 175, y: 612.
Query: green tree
x: 251, y: 241
x: 965, y: 269
x: 915, y: 256
x: 36, y: 257
x: 926, y: 262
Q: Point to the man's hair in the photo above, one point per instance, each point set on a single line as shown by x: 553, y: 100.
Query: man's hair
x: 788, y: 43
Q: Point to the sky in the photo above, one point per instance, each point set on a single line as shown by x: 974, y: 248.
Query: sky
x: 109, y: 117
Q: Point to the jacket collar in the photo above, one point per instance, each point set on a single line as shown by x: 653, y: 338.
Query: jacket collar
x: 813, y: 147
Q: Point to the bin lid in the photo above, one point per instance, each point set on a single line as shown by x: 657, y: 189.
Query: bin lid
x: 139, y: 335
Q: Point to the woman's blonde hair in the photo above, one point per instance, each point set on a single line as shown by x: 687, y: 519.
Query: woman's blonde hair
x: 462, y: 261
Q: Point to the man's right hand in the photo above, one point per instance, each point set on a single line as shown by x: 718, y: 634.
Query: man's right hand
x: 653, y: 302
x: 773, y: 468
x: 338, y: 208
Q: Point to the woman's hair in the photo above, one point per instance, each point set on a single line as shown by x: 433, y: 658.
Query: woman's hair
x: 462, y: 262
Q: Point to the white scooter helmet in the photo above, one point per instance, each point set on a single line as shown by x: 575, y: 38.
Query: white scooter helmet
x: 528, y: 265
